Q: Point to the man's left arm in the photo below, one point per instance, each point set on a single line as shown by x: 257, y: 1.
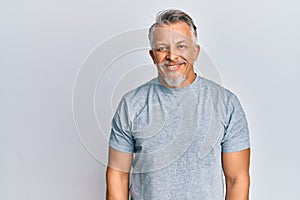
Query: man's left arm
x: 236, y: 171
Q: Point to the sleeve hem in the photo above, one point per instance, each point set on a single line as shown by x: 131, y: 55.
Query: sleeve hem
x: 231, y: 150
x: 119, y: 148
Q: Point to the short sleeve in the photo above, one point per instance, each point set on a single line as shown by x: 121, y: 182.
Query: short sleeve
x: 120, y: 136
x: 236, y: 136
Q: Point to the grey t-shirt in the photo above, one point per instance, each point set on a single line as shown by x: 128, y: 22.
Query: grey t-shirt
x: 177, y: 137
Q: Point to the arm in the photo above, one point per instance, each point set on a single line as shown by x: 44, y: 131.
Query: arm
x: 236, y: 171
x: 117, y: 175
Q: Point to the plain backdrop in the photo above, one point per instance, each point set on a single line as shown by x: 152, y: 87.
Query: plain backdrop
x: 253, y: 44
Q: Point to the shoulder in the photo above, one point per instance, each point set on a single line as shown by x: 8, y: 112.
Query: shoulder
x: 141, y: 91
x: 224, y: 101
x: 219, y: 92
x: 138, y: 98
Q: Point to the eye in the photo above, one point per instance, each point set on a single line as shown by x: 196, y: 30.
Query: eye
x: 181, y: 46
x: 162, y: 49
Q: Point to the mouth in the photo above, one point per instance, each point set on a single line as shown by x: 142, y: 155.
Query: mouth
x: 174, y: 66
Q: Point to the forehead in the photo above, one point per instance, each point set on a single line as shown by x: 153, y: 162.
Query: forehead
x: 178, y: 31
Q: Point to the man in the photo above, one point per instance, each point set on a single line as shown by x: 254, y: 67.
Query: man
x: 175, y: 136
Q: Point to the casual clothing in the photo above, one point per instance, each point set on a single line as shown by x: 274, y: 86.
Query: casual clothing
x: 177, y: 137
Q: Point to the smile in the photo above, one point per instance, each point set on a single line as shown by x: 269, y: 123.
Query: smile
x: 174, y: 67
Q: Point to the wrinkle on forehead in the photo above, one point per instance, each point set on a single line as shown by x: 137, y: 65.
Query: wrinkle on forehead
x: 172, y: 34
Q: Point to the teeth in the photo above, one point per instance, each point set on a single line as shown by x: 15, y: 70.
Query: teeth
x: 173, y: 66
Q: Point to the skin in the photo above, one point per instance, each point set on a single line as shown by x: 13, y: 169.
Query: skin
x: 117, y: 175
x: 236, y: 171
x: 174, y: 45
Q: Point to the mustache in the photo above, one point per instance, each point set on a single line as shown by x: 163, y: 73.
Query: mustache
x: 167, y: 62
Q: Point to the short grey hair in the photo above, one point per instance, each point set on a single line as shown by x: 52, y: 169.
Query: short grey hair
x: 167, y: 17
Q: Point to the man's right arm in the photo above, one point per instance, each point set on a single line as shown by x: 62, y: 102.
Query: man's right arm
x: 117, y: 175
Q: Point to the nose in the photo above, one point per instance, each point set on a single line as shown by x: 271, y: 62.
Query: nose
x: 172, y: 55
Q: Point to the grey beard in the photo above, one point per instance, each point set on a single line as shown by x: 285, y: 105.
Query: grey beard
x: 172, y: 82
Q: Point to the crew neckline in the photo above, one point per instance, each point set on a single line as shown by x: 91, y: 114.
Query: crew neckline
x: 187, y: 87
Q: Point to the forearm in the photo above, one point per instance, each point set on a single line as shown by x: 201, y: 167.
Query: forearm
x: 238, y: 189
x: 117, y: 184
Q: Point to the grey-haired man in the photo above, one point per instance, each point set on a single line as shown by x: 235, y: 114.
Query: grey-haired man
x: 175, y: 136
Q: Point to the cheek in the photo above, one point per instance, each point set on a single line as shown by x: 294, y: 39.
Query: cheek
x: 188, y: 55
x: 160, y: 57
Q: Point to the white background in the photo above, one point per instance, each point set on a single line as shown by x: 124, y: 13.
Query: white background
x: 254, y: 44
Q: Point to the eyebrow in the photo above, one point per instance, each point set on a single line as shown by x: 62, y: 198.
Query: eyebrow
x: 182, y: 41
x: 163, y: 43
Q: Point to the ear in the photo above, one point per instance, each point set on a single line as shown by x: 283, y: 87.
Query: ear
x: 196, y: 52
x: 151, y: 52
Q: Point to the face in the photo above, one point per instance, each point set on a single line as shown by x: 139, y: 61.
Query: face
x: 174, y: 52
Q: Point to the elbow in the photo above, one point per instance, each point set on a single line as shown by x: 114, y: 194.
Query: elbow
x: 238, y: 187
x: 243, y: 180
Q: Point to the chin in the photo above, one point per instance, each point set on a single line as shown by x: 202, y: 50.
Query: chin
x: 174, y: 81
